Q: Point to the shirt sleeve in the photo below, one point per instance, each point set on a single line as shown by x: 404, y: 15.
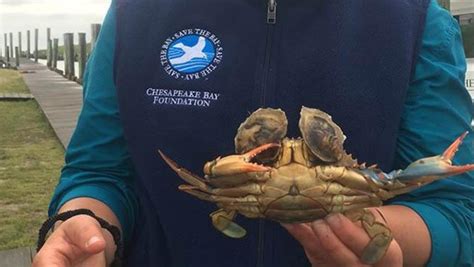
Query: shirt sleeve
x: 98, y: 164
x: 437, y: 110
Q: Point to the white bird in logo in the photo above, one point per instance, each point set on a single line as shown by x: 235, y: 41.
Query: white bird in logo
x: 190, y: 52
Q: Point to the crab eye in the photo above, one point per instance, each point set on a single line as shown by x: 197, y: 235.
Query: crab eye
x: 322, y: 136
x: 262, y: 127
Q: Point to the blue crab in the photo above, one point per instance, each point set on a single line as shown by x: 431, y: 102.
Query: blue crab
x: 305, y: 179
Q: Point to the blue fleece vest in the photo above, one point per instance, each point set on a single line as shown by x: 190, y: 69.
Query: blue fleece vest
x: 189, y: 72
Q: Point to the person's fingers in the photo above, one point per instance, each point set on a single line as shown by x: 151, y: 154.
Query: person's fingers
x: 306, y: 237
x: 96, y: 260
x: 356, y: 239
x: 74, y: 241
x: 50, y: 256
x: 337, y: 251
x: 353, y: 236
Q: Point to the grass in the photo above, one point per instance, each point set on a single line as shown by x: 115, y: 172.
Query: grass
x: 30, y: 161
x: 12, y: 82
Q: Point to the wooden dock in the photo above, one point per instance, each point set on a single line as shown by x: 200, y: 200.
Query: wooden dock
x: 15, y: 96
x: 61, y: 102
x: 59, y: 98
x: 20, y: 257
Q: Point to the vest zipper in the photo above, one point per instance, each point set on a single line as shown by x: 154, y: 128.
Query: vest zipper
x: 261, y: 243
x: 271, y: 12
x: 271, y: 21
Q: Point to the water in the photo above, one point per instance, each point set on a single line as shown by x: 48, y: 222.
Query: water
x: 60, y: 65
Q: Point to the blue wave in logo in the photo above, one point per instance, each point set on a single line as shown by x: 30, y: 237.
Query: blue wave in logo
x: 192, y: 66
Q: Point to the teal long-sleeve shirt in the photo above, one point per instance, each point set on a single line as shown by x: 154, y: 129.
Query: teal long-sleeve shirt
x: 437, y: 110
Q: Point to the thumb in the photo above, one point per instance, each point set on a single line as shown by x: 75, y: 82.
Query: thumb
x: 86, y: 233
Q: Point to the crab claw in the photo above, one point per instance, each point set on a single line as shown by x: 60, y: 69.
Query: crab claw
x: 429, y: 169
x: 235, y: 164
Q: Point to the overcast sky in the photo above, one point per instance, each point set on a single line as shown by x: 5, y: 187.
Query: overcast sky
x: 60, y: 15
x: 70, y: 16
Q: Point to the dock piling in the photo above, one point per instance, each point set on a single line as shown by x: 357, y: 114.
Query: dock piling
x: 11, y: 44
x: 50, y: 53
x: 17, y: 56
x: 28, y: 50
x: 19, y: 43
x: 48, y: 50
x: 7, y: 54
x: 55, y: 53
x: 69, y: 55
x: 5, y: 40
x: 36, y: 45
x: 95, y: 30
x: 82, y: 55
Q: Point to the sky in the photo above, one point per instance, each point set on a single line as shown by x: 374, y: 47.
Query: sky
x: 60, y: 15
x: 69, y: 16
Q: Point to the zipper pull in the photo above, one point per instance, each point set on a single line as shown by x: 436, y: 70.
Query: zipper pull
x: 271, y: 12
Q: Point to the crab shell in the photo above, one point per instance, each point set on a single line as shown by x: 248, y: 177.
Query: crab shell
x: 323, y: 138
x: 304, y: 179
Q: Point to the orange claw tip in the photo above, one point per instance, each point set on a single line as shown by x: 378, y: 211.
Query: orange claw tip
x: 454, y: 170
x: 250, y: 167
x: 252, y: 153
x: 453, y: 148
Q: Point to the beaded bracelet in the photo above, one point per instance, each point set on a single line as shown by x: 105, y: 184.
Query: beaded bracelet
x: 49, y: 223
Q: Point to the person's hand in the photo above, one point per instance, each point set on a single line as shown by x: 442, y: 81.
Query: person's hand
x: 79, y: 241
x: 337, y: 241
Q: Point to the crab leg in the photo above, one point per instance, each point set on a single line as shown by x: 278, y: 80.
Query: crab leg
x: 239, y: 191
x: 380, y: 235
x: 209, y: 196
x: 198, y: 186
x: 223, y: 221
x: 433, y: 168
x: 420, y: 172
x: 185, y: 174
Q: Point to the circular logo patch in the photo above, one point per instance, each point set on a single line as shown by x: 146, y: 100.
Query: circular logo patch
x: 191, y: 54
